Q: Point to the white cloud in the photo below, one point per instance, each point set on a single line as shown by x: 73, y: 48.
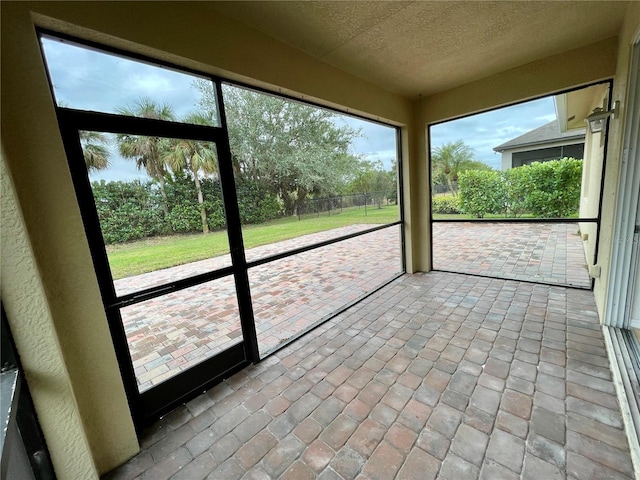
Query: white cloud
x: 547, y: 118
x: 484, y: 131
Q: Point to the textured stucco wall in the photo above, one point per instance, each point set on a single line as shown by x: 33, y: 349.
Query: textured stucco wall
x: 629, y: 34
x: 36, y: 161
x: 37, y: 164
x: 592, y: 179
x: 30, y: 321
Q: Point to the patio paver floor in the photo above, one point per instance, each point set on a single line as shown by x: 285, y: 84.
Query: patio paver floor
x: 540, y: 252
x: 172, y: 333
x: 437, y: 375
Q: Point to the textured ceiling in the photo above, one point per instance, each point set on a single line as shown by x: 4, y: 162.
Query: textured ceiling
x: 424, y: 47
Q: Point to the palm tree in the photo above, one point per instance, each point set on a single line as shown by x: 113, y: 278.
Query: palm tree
x: 196, y: 157
x: 147, y: 151
x: 452, y: 158
x: 96, y: 154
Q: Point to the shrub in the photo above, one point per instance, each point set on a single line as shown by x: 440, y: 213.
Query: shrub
x: 517, y: 186
x: 481, y: 192
x: 215, y: 214
x: 185, y: 218
x: 127, y: 210
x: 445, y: 205
x: 256, y: 203
x: 545, y: 190
x: 555, y: 187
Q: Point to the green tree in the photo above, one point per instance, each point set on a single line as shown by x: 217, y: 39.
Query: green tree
x: 194, y: 156
x: 449, y: 160
x: 147, y: 152
x: 373, y: 179
x: 294, y: 150
x: 95, y: 150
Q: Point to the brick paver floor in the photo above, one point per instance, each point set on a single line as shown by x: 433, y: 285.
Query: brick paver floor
x: 172, y: 333
x: 539, y: 252
x: 437, y: 375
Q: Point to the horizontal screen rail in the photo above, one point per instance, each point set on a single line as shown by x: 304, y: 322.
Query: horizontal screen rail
x: 289, y: 253
x: 129, y: 125
x: 516, y: 220
x: 153, y: 292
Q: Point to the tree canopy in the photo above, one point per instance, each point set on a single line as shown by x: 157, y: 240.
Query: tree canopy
x: 95, y: 150
x: 147, y: 151
x: 282, y: 152
x: 450, y: 159
x: 292, y: 149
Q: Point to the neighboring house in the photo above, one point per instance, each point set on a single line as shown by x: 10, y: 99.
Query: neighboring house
x: 542, y: 144
x: 409, y: 64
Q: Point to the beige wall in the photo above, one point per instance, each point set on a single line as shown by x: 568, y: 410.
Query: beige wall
x: 591, y: 178
x: 629, y: 34
x: 44, y: 193
x: 25, y: 301
x: 59, y: 252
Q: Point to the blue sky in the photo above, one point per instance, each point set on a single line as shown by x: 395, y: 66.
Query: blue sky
x: 88, y: 80
x: 483, y: 132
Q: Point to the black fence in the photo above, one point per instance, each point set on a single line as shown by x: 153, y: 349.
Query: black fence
x: 445, y: 188
x: 338, y: 204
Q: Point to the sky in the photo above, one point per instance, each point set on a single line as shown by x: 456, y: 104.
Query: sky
x: 89, y: 80
x: 484, y: 131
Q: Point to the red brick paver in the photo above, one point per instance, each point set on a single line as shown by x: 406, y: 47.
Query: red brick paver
x: 518, y: 414
x: 539, y: 252
x: 172, y: 333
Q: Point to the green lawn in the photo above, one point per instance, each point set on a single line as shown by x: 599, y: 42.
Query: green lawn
x: 161, y: 252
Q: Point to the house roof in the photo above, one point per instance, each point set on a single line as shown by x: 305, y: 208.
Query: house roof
x: 412, y: 48
x: 539, y: 136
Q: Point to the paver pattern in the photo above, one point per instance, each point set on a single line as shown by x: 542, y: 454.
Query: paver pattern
x: 172, y: 333
x: 540, y: 252
x: 437, y: 375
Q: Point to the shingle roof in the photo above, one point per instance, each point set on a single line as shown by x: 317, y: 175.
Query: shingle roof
x: 541, y: 135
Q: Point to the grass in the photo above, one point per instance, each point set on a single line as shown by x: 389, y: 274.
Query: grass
x: 155, y: 253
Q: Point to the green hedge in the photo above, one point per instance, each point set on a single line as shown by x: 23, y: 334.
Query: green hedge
x: 481, y: 192
x: 134, y: 210
x: 544, y: 190
x: 445, y: 205
x: 128, y: 210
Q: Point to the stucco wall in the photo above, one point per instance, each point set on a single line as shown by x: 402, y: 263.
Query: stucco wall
x: 506, y: 160
x: 31, y: 324
x: 62, y: 265
x: 629, y: 34
x: 591, y: 180
x: 30, y: 320
x: 44, y: 192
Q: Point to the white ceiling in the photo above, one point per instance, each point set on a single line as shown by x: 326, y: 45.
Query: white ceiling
x: 423, y: 47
